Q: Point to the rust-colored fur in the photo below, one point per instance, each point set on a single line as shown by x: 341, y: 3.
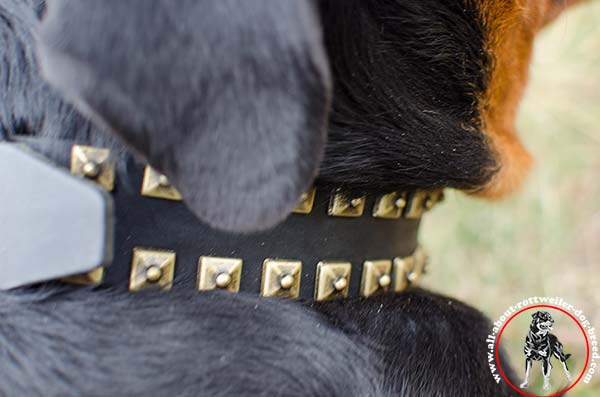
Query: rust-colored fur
x: 511, y: 27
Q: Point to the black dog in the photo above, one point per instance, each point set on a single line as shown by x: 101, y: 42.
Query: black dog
x: 541, y: 345
x: 233, y: 101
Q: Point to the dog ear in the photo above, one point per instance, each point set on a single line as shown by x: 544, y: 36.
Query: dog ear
x: 228, y: 98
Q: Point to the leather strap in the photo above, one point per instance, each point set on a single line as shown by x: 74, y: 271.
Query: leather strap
x: 146, y: 224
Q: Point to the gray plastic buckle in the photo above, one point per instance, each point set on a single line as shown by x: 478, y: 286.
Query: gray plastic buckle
x: 52, y: 224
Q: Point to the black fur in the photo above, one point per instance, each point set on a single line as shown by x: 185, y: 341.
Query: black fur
x: 57, y: 340
x: 27, y: 105
x: 74, y: 341
x: 430, y: 344
x: 62, y: 341
x: 407, y: 78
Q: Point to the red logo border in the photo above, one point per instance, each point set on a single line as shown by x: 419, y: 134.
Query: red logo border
x: 587, y: 358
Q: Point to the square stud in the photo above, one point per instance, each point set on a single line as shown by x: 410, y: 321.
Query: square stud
x: 281, y: 278
x: 416, y: 205
x: 93, y: 277
x: 157, y: 185
x: 390, y: 206
x: 307, y: 200
x: 420, y: 261
x: 340, y: 205
x: 402, y: 268
x: 219, y: 273
x: 433, y: 198
x: 151, y: 269
x: 94, y: 164
x: 333, y: 280
x: 375, y: 277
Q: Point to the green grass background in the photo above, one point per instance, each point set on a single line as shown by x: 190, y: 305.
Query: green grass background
x: 544, y: 240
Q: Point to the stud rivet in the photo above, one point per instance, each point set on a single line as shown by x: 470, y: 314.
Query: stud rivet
x: 281, y: 278
x: 384, y: 281
x: 223, y: 280
x: 163, y: 181
x: 91, y: 169
x: 153, y: 273
x: 286, y: 281
x: 429, y: 203
x: 340, y: 283
x: 400, y: 203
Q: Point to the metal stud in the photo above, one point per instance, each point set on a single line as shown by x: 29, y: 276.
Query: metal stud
x: 422, y: 201
x: 281, y: 278
x: 94, y: 164
x: 157, y: 185
x: 434, y: 198
x: 375, y: 277
x: 223, y: 280
x: 153, y: 273
x: 287, y: 281
x: 402, y: 268
x: 91, y: 169
x: 219, y: 273
x: 151, y: 269
x: 415, y: 205
x: 390, y: 206
x: 420, y: 261
x: 93, y: 277
x: 340, y: 284
x: 384, y: 280
x: 333, y: 280
x: 307, y: 200
x: 341, y: 205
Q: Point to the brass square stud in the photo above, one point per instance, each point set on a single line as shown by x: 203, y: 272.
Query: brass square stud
x: 151, y: 269
x: 94, y: 164
x: 333, y: 280
x: 390, y: 206
x: 93, y: 277
x: 157, y: 185
x: 281, y: 278
x: 376, y: 277
x: 434, y: 198
x: 340, y: 205
x: 402, y: 268
x: 420, y: 261
x: 307, y: 200
x: 219, y: 273
x: 416, y: 205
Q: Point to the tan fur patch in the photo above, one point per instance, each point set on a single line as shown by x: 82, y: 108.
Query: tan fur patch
x: 511, y: 27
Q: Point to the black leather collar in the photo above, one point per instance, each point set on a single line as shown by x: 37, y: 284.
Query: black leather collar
x: 340, y: 246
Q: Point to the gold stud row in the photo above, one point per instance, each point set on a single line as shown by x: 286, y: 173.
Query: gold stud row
x: 155, y: 269
x: 95, y: 164
x: 388, y: 206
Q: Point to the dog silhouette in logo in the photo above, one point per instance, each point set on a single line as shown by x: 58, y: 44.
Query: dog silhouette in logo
x: 541, y: 345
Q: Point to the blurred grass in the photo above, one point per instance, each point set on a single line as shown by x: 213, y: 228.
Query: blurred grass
x: 545, y: 240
